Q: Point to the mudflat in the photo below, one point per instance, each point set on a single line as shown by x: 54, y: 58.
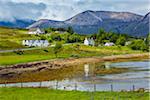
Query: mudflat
x: 60, y: 63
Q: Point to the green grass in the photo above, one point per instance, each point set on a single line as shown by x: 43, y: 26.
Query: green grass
x: 47, y: 94
x: 12, y: 38
x: 68, y: 51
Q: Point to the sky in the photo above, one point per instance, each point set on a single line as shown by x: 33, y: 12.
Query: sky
x: 64, y: 9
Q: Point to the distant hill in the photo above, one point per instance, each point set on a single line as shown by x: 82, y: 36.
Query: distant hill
x: 18, y: 23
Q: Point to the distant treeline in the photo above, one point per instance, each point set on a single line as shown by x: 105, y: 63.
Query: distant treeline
x: 101, y: 37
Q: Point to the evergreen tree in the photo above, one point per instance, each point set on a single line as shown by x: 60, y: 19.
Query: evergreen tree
x: 70, y: 30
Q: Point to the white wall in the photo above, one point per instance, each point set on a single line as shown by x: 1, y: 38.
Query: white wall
x: 40, y: 43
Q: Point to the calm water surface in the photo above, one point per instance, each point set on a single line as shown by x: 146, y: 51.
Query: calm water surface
x: 138, y: 75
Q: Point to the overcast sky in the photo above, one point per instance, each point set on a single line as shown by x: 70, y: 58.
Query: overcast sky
x: 64, y: 9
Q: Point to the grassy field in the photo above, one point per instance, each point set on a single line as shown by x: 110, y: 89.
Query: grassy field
x: 47, y: 94
x: 12, y: 38
x: 66, y: 52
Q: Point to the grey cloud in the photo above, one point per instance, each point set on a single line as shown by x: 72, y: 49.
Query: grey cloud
x: 64, y: 9
x: 10, y: 10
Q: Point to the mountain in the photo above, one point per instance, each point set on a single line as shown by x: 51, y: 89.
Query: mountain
x: 18, y: 23
x: 43, y: 23
x: 89, y: 22
x: 143, y: 26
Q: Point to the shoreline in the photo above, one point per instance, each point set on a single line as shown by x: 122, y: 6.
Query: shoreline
x: 59, y: 63
x: 50, y: 66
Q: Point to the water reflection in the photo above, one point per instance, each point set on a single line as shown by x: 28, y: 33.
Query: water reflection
x: 107, y: 65
x: 86, y: 70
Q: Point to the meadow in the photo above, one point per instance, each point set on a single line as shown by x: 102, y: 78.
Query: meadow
x: 67, y: 51
x: 11, y: 39
x: 48, y: 94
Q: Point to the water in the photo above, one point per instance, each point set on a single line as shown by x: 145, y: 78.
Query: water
x: 138, y: 75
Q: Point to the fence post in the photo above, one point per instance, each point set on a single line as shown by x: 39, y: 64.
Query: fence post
x: 5, y: 84
x: 56, y: 85
x: 75, y: 86
x: 40, y: 84
x: 21, y: 85
x: 133, y: 88
x: 64, y: 88
x: 94, y: 87
x: 111, y: 87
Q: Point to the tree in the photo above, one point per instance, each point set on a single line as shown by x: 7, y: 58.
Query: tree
x: 114, y: 37
x: 70, y: 30
x: 144, y: 47
x: 147, y: 40
x: 57, y: 48
x: 56, y: 37
x: 139, y: 45
x: 100, y: 32
x: 121, y: 41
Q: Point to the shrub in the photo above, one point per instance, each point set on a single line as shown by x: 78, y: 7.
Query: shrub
x: 75, y: 55
x: 19, y: 52
x: 57, y: 48
x: 45, y: 50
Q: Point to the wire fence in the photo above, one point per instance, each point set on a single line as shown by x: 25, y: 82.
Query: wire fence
x: 74, y: 86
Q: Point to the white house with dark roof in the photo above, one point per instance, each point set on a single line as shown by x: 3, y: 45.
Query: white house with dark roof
x: 36, y: 31
x: 39, y: 43
x: 89, y: 41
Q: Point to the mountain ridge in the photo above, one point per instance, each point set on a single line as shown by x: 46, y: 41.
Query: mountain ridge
x: 89, y: 22
x: 17, y: 23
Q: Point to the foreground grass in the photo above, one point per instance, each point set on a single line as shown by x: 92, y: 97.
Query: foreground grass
x: 66, y: 52
x: 47, y: 94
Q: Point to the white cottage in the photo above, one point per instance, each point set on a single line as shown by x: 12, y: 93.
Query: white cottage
x: 40, y: 43
x: 89, y: 41
x: 109, y: 44
x: 36, y: 31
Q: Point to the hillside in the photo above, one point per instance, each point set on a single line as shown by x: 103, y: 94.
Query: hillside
x: 11, y: 38
x: 18, y: 23
x: 90, y: 21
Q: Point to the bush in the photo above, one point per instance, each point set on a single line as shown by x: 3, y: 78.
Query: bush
x: 45, y: 50
x: 57, y: 48
x: 75, y: 55
x: 19, y: 52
